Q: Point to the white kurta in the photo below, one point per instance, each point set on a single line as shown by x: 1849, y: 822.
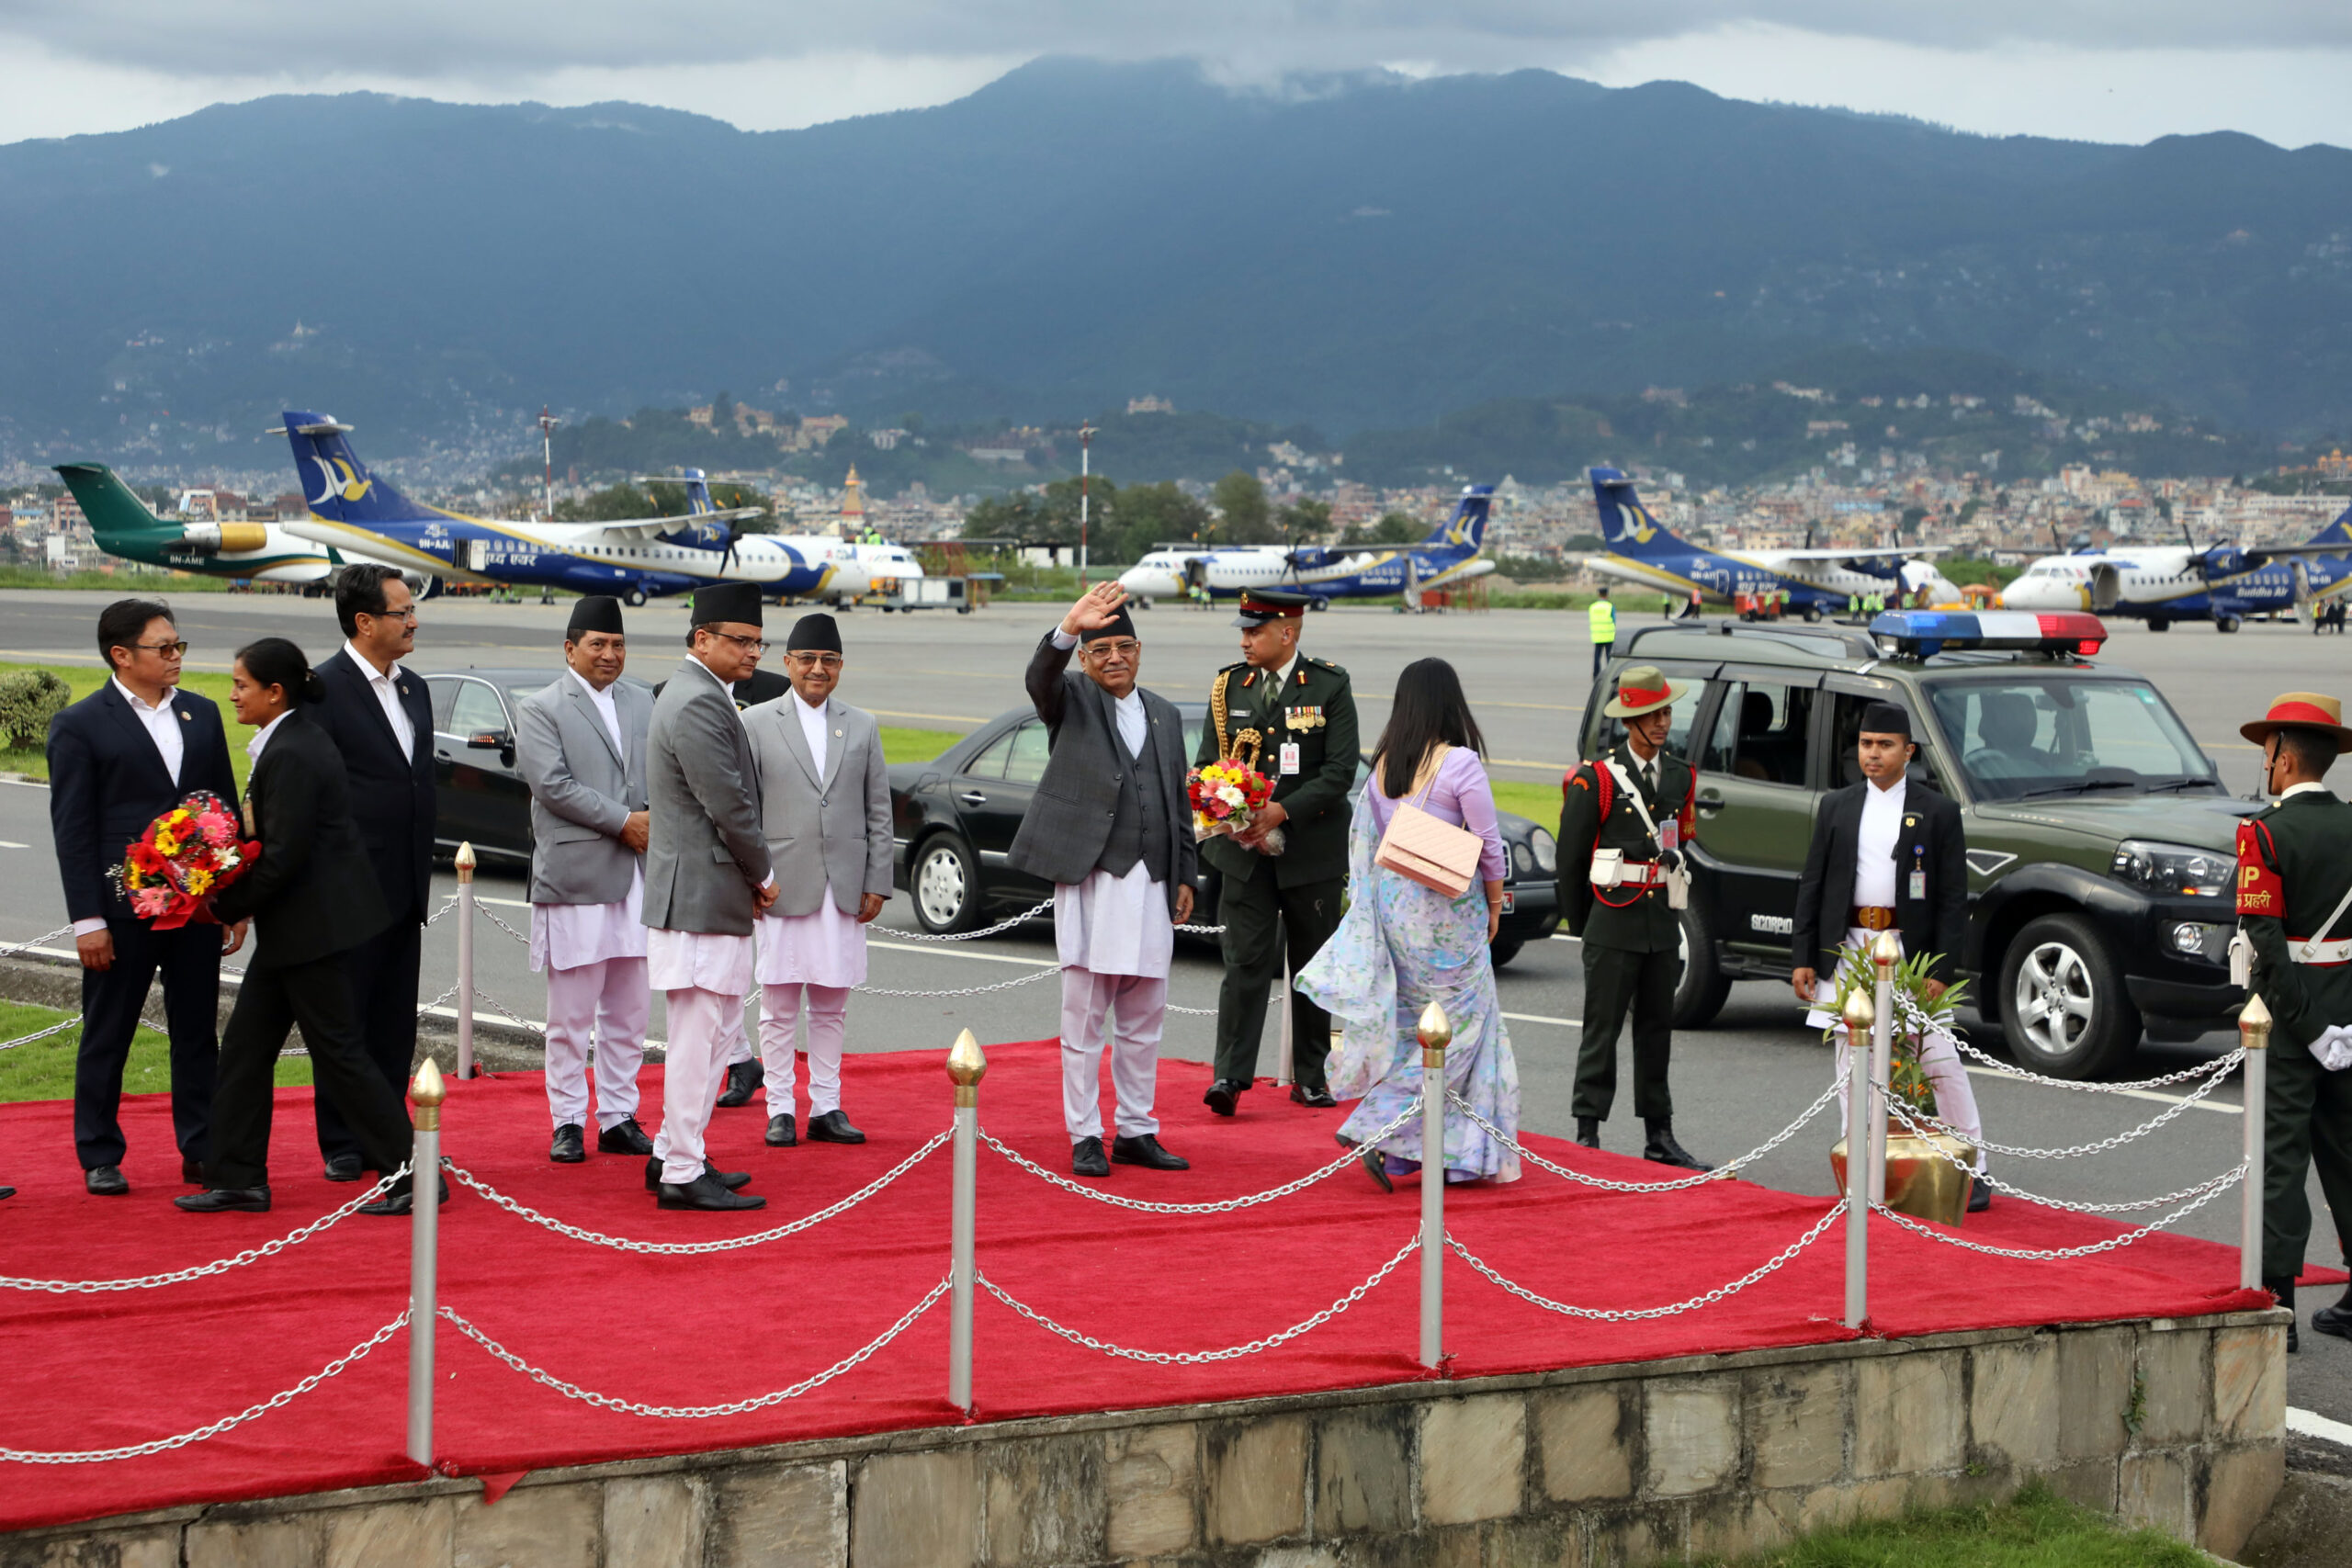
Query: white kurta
x: 1117, y: 925
x: 826, y: 947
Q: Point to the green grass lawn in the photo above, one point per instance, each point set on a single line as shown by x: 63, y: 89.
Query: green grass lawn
x: 2037, y: 1530
x: 1539, y: 803
x: 87, y: 678
x: 44, y: 1069
x: 900, y: 744
x: 119, y: 582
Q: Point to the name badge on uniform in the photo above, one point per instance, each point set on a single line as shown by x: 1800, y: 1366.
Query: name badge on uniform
x: 1918, y: 888
x: 1290, y: 756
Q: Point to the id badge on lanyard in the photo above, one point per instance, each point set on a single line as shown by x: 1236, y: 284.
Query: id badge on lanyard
x: 1290, y: 756
x: 1920, y: 875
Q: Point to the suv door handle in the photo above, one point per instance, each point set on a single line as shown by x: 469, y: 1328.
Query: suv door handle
x: 1710, y: 801
x: 973, y: 797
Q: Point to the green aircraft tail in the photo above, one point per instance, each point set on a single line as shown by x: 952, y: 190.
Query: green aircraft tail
x: 117, y: 517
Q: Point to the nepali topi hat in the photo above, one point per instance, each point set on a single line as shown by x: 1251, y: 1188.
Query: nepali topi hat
x: 1643, y: 689
x: 815, y: 632
x: 1120, y: 625
x: 2300, y: 710
x: 736, y: 602
x: 593, y: 612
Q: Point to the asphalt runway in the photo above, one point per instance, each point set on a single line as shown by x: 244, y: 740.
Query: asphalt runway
x: 1736, y: 1083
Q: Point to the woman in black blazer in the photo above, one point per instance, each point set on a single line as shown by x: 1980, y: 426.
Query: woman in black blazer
x: 313, y: 898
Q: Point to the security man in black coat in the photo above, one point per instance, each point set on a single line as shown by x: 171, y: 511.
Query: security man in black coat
x: 1302, y: 714
x: 1633, y: 959
x: 380, y: 715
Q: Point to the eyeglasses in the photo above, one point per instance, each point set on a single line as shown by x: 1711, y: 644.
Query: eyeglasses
x: 179, y: 648
x: 751, y: 642
x: 407, y: 615
x: 815, y: 660
x: 1123, y: 646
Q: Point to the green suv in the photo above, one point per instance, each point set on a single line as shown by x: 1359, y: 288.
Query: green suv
x: 2100, y: 840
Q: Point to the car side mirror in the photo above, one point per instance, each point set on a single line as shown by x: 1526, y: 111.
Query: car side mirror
x: 490, y: 740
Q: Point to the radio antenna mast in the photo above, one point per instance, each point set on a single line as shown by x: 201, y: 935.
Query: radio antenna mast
x: 548, y: 422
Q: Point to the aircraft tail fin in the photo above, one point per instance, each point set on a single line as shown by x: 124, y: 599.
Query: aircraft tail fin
x: 2337, y: 532
x: 1467, y: 527
x: 336, y: 484
x: 1626, y: 526
x: 697, y: 492
x: 115, y: 514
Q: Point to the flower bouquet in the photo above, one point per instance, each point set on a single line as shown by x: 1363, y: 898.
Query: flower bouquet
x: 1226, y: 795
x: 187, y: 855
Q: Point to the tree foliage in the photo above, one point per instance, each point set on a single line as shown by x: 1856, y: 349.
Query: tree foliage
x: 1242, y: 514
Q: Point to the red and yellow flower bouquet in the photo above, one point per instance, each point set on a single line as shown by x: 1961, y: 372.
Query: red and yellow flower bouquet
x: 187, y: 855
x: 1225, y: 795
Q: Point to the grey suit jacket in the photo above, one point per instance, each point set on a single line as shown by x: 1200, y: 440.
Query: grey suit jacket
x: 583, y: 790
x: 708, y: 853
x: 1069, y: 819
x: 834, y: 829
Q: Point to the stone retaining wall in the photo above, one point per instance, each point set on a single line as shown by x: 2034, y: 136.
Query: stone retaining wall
x: 2177, y: 1424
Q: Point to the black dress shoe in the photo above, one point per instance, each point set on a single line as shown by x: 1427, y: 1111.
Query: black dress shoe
x: 1145, y: 1151
x: 1315, y: 1098
x: 1589, y: 1132
x: 344, y: 1168
x: 833, y: 1127
x: 2294, y: 1342
x: 1663, y: 1148
x: 730, y: 1180
x: 1223, y: 1095
x: 1376, y: 1164
x: 1980, y: 1195
x: 570, y: 1144
x: 8, y: 1192
x: 624, y: 1138
x: 191, y: 1170
x: 705, y: 1191
x: 781, y: 1133
x: 744, y: 1079
x: 105, y: 1181
x: 2336, y: 1320
x: 224, y: 1200
x: 402, y: 1200
x: 1086, y: 1158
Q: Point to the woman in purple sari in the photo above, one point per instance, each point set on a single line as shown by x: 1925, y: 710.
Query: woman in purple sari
x: 1402, y: 945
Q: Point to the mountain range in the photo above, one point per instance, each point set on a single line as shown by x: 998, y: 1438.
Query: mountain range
x: 1356, y: 253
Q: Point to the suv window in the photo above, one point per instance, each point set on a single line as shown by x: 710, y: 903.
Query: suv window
x: 2048, y: 735
x: 1760, y: 733
x: 1031, y: 747
x: 1845, y: 731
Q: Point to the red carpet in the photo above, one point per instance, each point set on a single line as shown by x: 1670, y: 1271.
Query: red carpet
x: 86, y: 1372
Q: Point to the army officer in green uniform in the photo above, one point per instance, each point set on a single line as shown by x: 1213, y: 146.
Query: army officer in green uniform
x: 1303, y: 718
x: 1629, y: 812
x: 2295, y: 906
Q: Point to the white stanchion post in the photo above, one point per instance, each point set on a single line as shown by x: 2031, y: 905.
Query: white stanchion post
x: 464, y: 859
x: 965, y: 1067
x: 1858, y: 1014
x: 423, y: 1256
x: 1436, y: 1031
x: 1284, y: 1052
x: 1885, y: 953
x: 2253, y: 1032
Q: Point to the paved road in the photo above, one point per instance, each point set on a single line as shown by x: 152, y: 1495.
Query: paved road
x: 1736, y: 1083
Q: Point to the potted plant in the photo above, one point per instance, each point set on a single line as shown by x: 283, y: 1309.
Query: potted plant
x: 1928, y: 1172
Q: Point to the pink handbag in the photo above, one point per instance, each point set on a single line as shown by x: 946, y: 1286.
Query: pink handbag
x: 1426, y: 849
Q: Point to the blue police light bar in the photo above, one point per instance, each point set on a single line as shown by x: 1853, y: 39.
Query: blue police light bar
x: 1921, y: 633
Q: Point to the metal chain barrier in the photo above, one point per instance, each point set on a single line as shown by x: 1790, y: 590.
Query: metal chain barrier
x: 492, y: 916
x: 447, y: 904
x: 1918, y: 1121
x: 2143, y: 1130
x: 1718, y: 1174
x: 1202, y: 930
x: 2214, y: 1190
x: 696, y: 1412
x: 1225, y: 1206
x: 220, y: 1266
x: 1193, y: 1012
x: 1022, y: 918
x: 1631, y: 1315
x: 696, y: 1248
x: 2219, y: 1067
x: 160, y: 1445
x: 41, y: 941
x: 58, y: 1028
x: 1199, y: 1357
x: 962, y: 991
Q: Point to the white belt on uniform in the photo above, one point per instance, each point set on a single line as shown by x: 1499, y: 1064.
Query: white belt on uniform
x: 2323, y: 955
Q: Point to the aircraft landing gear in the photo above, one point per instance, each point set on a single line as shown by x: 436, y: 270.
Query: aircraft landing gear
x: 2226, y: 624
x: 2158, y: 624
x: 1812, y: 614
x: 633, y: 597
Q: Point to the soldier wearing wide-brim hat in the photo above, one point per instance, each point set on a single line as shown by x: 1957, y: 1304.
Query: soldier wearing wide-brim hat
x: 2295, y: 907
x: 1630, y: 932
x: 1302, y: 713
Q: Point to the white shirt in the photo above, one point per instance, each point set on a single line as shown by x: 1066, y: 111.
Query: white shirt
x: 1116, y: 925
x: 388, y: 698
x: 261, y: 736
x: 812, y: 729
x: 161, y: 724
x: 1126, y: 710
x: 607, y: 709
x: 568, y: 936
x: 2293, y: 790
x: 1874, y: 869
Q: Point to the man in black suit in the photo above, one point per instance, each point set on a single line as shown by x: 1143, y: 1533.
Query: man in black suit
x: 379, y: 716
x: 1890, y: 854
x: 118, y: 760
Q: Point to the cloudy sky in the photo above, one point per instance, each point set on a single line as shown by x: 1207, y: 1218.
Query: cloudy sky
x: 2105, y: 70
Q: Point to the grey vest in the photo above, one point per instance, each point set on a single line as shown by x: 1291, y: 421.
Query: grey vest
x: 1139, y: 832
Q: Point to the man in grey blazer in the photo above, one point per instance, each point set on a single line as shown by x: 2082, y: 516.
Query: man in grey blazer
x: 707, y: 878
x: 580, y: 745
x: 826, y: 796
x: 1111, y: 828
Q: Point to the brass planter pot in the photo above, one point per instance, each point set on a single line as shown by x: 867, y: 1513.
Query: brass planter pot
x: 1921, y: 1181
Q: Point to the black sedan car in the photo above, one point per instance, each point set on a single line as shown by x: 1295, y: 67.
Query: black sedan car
x: 479, y: 795
x: 953, y: 819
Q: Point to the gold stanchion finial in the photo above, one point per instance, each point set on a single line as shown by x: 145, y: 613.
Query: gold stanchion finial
x: 1886, y: 951
x: 428, y: 1091
x: 967, y: 1065
x: 2254, y: 1025
x: 1436, y: 1029
x: 1861, y: 1012
x: 465, y: 861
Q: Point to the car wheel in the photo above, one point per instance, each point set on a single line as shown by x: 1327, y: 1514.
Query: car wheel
x: 2063, y: 1001
x: 947, y: 885
x: 2225, y: 623
x: 1700, y: 994
x: 1503, y: 949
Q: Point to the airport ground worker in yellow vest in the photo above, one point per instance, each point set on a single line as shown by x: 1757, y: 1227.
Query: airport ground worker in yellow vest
x: 1602, y: 618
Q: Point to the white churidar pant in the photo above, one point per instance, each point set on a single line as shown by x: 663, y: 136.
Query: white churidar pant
x: 1939, y: 1056
x: 828, y: 1028
x: 703, y: 976
x: 611, y: 998
x: 1090, y: 1003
